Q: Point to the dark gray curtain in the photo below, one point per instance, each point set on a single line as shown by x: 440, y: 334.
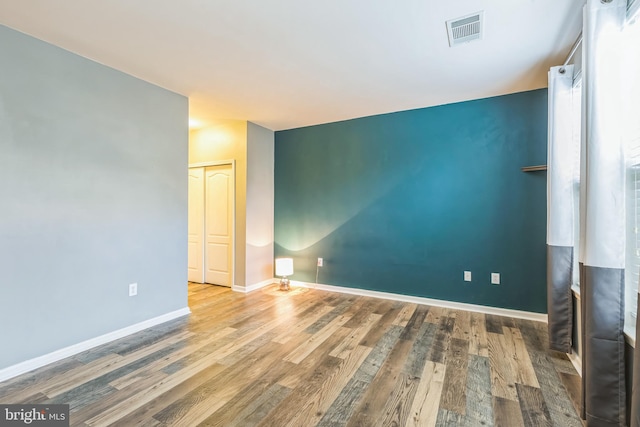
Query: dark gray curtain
x: 559, y: 297
x: 603, y: 379
x: 602, y: 224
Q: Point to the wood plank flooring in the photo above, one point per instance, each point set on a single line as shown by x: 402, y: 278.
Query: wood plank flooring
x: 313, y: 358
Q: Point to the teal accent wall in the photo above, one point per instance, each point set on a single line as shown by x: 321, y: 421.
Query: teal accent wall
x: 405, y: 202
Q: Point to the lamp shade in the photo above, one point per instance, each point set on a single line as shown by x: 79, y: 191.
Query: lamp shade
x: 284, y: 266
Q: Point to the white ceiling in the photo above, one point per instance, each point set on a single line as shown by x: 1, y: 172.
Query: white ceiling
x: 291, y: 63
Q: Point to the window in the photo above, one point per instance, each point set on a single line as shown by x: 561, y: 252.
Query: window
x: 631, y: 134
x: 632, y: 267
x: 576, y: 126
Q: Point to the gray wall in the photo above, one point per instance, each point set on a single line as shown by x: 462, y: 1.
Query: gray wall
x: 93, y: 193
x: 260, y: 163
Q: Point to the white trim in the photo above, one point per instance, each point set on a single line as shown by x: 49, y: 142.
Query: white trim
x: 576, y: 291
x: 54, y: 356
x: 212, y: 163
x: 251, y: 288
x: 527, y: 315
x: 630, y: 334
x: 576, y: 361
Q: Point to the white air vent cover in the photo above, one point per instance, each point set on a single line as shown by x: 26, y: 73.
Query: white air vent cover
x: 465, y: 29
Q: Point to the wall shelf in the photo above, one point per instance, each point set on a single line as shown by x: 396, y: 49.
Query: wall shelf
x: 534, y: 168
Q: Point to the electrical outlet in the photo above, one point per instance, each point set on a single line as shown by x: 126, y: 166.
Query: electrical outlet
x: 320, y: 262
x: 467, y: 276
x: 133, y: 289
x: 495, y: 278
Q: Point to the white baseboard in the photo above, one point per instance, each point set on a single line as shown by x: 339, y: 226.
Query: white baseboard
x: 37, y: 362
x: 527, y: 315
x: 251, y: 288
x: 576, y: 361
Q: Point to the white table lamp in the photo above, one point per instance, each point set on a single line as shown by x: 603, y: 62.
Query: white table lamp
x: 284, y: 268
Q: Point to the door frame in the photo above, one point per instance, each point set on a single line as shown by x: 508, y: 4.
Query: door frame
x: 232, y: 163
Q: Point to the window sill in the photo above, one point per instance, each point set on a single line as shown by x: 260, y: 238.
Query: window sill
x: 576, y: 291
x: 630, y: 330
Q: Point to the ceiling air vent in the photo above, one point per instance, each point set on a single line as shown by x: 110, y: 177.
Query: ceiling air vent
x: 465, y: 29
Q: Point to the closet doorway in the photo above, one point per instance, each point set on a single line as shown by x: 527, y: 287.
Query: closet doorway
x: 211, y: 223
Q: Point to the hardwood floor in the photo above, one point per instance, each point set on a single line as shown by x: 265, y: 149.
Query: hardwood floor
x: 313, y: 358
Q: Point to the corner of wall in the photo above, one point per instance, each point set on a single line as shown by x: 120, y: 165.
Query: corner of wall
x: 260, y: 203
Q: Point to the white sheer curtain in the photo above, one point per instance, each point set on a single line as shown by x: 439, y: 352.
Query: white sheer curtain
x: 602, y: 224
x: 563, y: 157
x: 604, y: 242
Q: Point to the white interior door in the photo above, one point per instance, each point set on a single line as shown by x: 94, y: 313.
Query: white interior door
x: 219, y: 193
x: 195, y: 271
